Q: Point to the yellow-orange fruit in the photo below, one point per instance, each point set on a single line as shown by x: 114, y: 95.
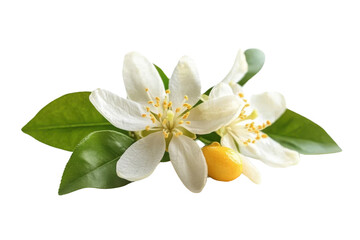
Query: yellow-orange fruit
x: 224, y: 164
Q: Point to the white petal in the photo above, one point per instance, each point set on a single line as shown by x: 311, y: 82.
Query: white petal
x: 221, y: 90
x: 139, y: 74
x: 213, y: 114
x: 238, y: 70
x: 141, y: 158
x: 189, y: 162
x: 270, y: 105
x: 250, y: 170
x: 228, y: 141
x: 236, y: 88
x: 185, y: 81
x: 271, y: 153
x: 120, y: 112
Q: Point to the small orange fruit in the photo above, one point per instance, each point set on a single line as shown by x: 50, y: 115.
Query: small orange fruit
x: 224, y: 164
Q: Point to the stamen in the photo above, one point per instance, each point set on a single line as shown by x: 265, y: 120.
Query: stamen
x: 187, y: 122
x: 143, y: 115
x: 186, y: 97
x: 166, y: 135
x: 157, y: 99
x: 241, y: 95
x: 147, y: 128
x: 147, y: 109
x: 150, y: 102
x: 188, y: 106
x: 159, y: 115
x: 186, y: 115
x: 177, y: 110
x: 146, y: 89
x: 178, y: 133
x: 181, y: 122
x: 264, y: 136
x: 268, y: 122
x: 167, y: 91
x: 170, y: 104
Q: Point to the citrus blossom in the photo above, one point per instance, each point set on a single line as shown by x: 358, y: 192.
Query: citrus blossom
x: 165, y: 119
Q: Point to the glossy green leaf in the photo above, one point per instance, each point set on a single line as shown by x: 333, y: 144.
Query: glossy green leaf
x: 163, y: 76
x: 66, y: 120
x: 93, y: 162
x: 166, y: 157
x: 255, y: 59
x: 209, y: 138
x: 300, y: 134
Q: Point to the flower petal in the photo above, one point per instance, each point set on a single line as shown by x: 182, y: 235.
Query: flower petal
x: 238, y: 70
x: 228, y: 141
x: 271, y: 153
x: 189, y: 162
x: 139, y: 74
x: 250, y: 170
x: 269, y: 105
x: 213, y: 114
x: 141, y: 158
x: 185, y: 81
x: 120, y: 112
x: 221, y: 90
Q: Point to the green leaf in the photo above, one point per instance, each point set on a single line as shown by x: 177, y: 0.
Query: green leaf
x: 209, y: 138
x: 255, y: 59
x: 166, y: 157
x: 93, y: 162
x: 300, y: 134
x: 66, y: 120
x: 163, y: 76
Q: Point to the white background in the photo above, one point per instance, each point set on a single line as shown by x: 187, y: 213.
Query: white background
x: 50, y: 48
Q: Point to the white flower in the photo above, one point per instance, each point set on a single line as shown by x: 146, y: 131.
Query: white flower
x: 244, y: 133
x: 165, y: 119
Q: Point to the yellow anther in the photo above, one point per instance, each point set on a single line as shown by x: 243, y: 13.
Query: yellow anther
x: 186, y: 97
x: 246, y: 125
x: 166, y: 135
x: 245, y: 100
x: 257, y: 137
x: 187, y: 122
x: 147, y: 128
x: 157, y: 105
x: 143, y: 115
x: 253, y: 141
x: 178, y: 134
x: 146, y: 89
x: 259, y: 127
x: 157, y: 99
x: 147, y: 109
x: 167, y: 91
x: 264, y: 125
x: 249, y: 140
x: 268, y: 122
x: 188, y: 106
x: 150, y: 102
x: 153, y: 120
x: 246, y: 105
x: 245, y: 143
x: 264, y: 136
x: 181, y: 122
x: 241, y: 95
x: 186, y: 115
x: 170, y: 104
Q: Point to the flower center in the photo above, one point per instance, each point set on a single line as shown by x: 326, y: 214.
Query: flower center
x: 247, y: 131
x: 164, y: 117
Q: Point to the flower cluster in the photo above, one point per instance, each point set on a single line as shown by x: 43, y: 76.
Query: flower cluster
x: 169, y: 119
x: 117, y: 140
